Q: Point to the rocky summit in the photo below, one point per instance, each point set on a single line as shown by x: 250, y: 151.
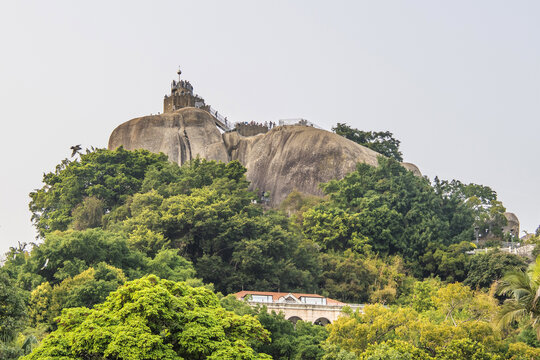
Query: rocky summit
x: 286, y: 158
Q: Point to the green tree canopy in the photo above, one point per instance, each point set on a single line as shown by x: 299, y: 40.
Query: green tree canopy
x: 394, y: 350
x: 355, y: 278
x: 151, y: 318
x: 87, y: 289
x: 449, y: 263
x: 481, y: 200
x: 205, y: 210
x: 202, y: 209
x: 395, y: 210
x: 109, y: 176
x: 523, y: 303
x: 64, y: 255
x: 12, y: 308
x: 299, y: 341
x: 382, y: 142
x: 456, y: 325
x: 485, y: 268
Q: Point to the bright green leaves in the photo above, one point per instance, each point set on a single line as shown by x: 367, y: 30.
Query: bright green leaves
x: 334, y: 229
x: 12, y: 308
x: 109, y: 176
x: 387, y: 207
x: 382, y: 142
x: 154, y: 319
x: 523, y: 303
x: 394, y: 350
x: 88, y: 288
x: 232, y: 242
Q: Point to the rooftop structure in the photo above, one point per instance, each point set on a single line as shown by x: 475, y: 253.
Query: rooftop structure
x: 283, y: 297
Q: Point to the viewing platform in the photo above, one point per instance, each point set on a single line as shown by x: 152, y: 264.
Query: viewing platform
x: 182, y: 96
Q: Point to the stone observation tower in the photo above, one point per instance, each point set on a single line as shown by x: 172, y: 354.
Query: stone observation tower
x: 280, y: 157
x: 182, y: 96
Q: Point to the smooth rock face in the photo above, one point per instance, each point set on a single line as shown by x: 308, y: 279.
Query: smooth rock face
x: 411, y: 167
x: 284, y: 159
x: 512, y: 225
x: 182, y: 135
x: 299, y: 158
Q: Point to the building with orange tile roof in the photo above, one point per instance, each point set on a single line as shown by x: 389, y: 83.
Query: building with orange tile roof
x: 298, y: 306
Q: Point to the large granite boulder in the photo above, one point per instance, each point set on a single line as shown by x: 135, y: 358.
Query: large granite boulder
x: 299, y: 158
x: 413, y: 168
x: 182, y: 135
x: 512, y: 225
x: 284, y: 159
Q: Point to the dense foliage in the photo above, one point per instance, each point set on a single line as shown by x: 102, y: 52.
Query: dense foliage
x: 382, y: 142
x: 390, y: 210
x: 12, y: 308
x: 151, y: 318
x: 299, y: 341
x: 132, y: 247
x: 455, y: 323
x: 523, y: 289
x: 205, y: 210
x: 109, y: 176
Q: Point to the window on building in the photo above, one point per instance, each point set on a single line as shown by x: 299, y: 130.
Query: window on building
x: 260, y: 298
x: 313, y: 300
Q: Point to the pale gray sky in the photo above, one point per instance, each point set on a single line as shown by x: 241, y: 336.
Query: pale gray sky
x: 458, y: 82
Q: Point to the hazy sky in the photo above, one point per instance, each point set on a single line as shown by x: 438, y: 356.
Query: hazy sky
x: 458, y: 82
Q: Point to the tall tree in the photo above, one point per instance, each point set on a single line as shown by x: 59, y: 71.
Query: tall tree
x: 481, y: 201
x: 394, y: 210
x: 151, y: 318
x: 485, y: 268
x: 106, y: 176
x: 204, y: 210
x: 382, y: 142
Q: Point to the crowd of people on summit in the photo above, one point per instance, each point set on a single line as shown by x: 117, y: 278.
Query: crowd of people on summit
x: 182, y: 84
x: 266, y: 124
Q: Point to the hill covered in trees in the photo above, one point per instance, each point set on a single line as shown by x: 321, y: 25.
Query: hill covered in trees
x: 134, y: 249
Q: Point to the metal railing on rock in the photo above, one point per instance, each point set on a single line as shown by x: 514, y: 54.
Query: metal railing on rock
x: 221, y: 120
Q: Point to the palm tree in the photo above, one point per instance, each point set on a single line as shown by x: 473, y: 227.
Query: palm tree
x: 523, y: 291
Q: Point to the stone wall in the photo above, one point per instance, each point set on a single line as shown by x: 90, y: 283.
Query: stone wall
x: 250, y: 130
x: 179, y: 101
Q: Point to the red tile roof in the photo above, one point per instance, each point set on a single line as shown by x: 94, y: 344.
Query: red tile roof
x: 277, y: 295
